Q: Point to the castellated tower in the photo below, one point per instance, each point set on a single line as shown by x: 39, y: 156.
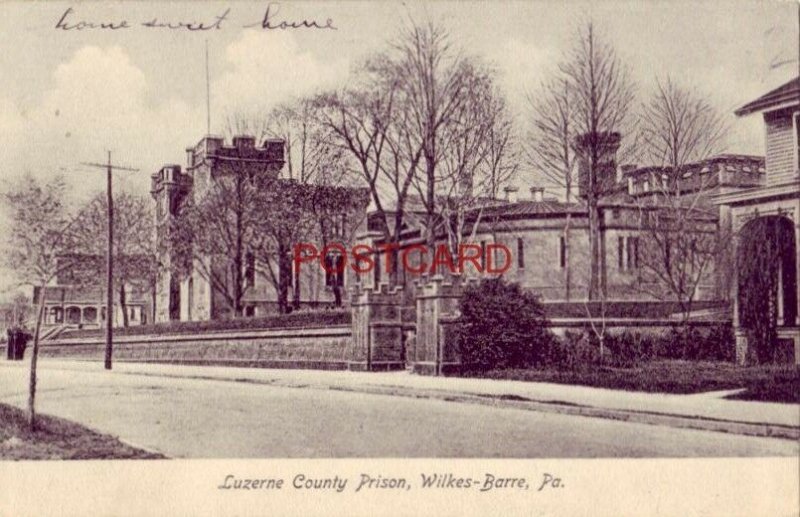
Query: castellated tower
x: 211, y: 158
x: 192, y: 298
x: 605, y: 144
x: 169, y: 187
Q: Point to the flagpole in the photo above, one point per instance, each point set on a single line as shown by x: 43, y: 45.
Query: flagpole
x: 208, y: 96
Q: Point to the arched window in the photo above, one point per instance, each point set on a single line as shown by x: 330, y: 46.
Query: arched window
x: 89, y: 314
x: 73, y: 315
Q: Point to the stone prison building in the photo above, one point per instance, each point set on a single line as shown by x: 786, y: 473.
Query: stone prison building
x: 548, y: 238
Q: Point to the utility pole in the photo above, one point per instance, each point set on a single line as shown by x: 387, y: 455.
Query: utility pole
x: 109, y: 254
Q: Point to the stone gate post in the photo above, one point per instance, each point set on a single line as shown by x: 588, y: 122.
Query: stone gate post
x: 436, y: 351
x: 377, y: 342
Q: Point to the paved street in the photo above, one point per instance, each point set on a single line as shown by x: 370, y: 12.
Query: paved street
x: 221, y: 419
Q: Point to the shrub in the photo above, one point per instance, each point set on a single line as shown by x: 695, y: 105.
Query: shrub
x: 629, y: 348
x: 581, y: 350
x: 715, y: 343
x: 501, y: 326
x: 575, y: 351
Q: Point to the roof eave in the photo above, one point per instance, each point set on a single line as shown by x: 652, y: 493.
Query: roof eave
x: 761, y: 105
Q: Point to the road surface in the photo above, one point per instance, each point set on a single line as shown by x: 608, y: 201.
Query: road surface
x: 194, y: 418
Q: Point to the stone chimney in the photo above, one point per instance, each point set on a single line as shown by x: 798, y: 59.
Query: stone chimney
x: 511, y: 194
x: 605, y: 145
x: 537, y: 194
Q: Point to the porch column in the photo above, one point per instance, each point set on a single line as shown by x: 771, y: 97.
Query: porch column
x: 797, y: 264
x: 734, y: 287
x: 739, y: 334
x: 781, y: 294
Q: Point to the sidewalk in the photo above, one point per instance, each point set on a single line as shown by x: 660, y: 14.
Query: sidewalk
x: 709, y: 411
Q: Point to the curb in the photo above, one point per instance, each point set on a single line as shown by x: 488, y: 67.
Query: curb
x: 511, y: 401
x: 544, y: 406
x: 568, y: 408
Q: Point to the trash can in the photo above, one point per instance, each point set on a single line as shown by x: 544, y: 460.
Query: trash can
x: 17, y: 341
x: 22, y: 343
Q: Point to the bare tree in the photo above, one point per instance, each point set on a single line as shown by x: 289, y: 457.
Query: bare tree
x: 337, y: 213
x: 479, y: 156
x: 424, y: 117
x: 549, y: 148
x: 39, y: 248
x: 579, y: 115
x: 677, y: 252
x: 285, y: 220
x: 435, y: 79
x: 601, y: 94
x: 211, y: 233
x: 17, y: 311
x: 311, y: 156
x: 679, y: 126
x: 369, y: 122
x: 683, y: 237
x: 135, y: 264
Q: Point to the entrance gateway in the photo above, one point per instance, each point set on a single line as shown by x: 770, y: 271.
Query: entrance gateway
x: 765, y: 224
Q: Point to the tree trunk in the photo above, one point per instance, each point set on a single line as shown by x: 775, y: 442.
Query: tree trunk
x: 284, y: 265
x: 337, y: 295
x: 238, y: 274
x: 567, y: 270
x: 123, y: 305
x: 153, y: 299
x: 594, y: 251
x: 295, y: 289
x: 34, y: 358
x: 237, y: 284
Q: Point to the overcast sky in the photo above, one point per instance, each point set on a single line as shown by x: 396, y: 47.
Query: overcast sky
x: 68, y: 96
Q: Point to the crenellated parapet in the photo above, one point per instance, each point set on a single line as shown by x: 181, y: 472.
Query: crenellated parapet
x: 436, y: 349
x: 171, y: 178
x: 452, y: 286
x: 377, y: 328
x: 383, y: 292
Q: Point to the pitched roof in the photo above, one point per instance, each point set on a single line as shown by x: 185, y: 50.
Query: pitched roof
x: 789, y: 92
x: 529, y: 207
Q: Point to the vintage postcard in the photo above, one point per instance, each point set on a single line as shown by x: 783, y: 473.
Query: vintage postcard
x: 400, y: 258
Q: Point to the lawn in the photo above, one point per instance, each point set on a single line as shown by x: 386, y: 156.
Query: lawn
x: 58, y: 439
x: 774, y: 383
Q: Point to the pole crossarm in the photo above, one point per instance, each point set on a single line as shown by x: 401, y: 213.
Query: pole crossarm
x: 109, y: 168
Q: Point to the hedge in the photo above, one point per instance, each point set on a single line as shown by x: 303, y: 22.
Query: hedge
x: 624, y: 309
x: 293, y: 320
x: 579, y: 350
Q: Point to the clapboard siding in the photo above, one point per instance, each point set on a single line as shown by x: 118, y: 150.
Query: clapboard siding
x: 780, y: 161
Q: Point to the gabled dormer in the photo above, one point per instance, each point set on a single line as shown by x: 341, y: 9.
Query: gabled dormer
x: 781, y: 110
